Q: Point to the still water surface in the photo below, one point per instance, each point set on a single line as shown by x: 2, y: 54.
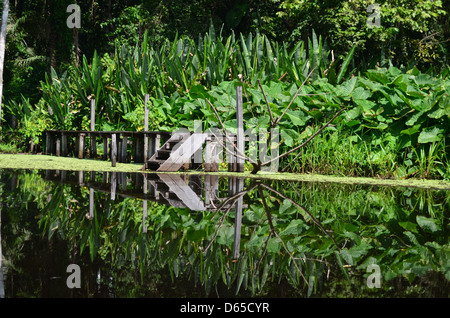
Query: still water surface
x: 171, y: 235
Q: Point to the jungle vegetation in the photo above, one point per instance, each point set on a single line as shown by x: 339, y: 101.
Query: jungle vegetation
x: 310, y: 58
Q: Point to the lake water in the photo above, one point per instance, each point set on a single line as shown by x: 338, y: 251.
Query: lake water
x: 94, y: 234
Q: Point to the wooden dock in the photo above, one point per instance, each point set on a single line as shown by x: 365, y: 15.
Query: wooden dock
x: 118, y: 146
x: 157, y: 150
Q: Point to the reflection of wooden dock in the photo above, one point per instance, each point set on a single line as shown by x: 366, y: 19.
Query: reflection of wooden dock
x: 197, y: 193
x: 194, y: 192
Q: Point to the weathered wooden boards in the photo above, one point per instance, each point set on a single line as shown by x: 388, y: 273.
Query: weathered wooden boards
x: 182, y: 154
x: 119, y: 146
x: 179, y: 150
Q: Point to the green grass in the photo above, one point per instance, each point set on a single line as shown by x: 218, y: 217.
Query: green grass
x: 38, y: 162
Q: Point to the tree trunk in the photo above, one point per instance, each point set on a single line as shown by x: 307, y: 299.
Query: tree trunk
x: 76, y: 47
x: 2, y: 51
x: 2, y: 282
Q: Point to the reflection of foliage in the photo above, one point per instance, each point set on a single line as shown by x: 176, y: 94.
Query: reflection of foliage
x: 320, y: 238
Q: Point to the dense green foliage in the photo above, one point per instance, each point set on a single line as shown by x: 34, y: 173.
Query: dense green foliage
x: 393, y: 80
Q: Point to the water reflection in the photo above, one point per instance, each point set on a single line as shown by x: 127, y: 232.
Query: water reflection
x: 171, y: 235
x: 194, y: 192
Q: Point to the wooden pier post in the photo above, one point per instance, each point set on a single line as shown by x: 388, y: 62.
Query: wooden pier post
x: 144, y: 206
x: 80, y: 177
x: 123, y: 180
x: 58, y: 146
x: 80, y: 144
x: 113, y: 185
x: 139, y: 145
x: 240, y: 130
x: 231, y: 152
x: 63, y: 175
x: 238, y: 187
x: 123, y: 149
x: 113, y: 150
x: 157, y: 143
x: 63, y: 144
x: 119, y: 148
x: 49, y: 143
x: 211, y: 155
x: 93, y: 151
x: 197, y: 158
x: 105, y: 148
x: 91, y: 203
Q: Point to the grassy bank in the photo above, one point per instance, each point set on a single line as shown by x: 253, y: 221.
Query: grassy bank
x: 39, y: 162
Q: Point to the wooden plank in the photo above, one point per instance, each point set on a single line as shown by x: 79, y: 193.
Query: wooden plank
x: 105, y: 148
x: 184, y: 152
x: 64, y: 149
x: 164, y: 134
x: 177, y: 185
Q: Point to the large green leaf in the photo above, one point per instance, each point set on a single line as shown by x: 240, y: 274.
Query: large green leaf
x: 289, y: 136
x: 430, y: 134
x: 297, y: 117
x: 427, y: 224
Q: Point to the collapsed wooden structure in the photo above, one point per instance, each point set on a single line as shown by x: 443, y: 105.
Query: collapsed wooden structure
x: 157, y: 150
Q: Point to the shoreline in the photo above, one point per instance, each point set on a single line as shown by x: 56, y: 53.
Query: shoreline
x: 45, y: 162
